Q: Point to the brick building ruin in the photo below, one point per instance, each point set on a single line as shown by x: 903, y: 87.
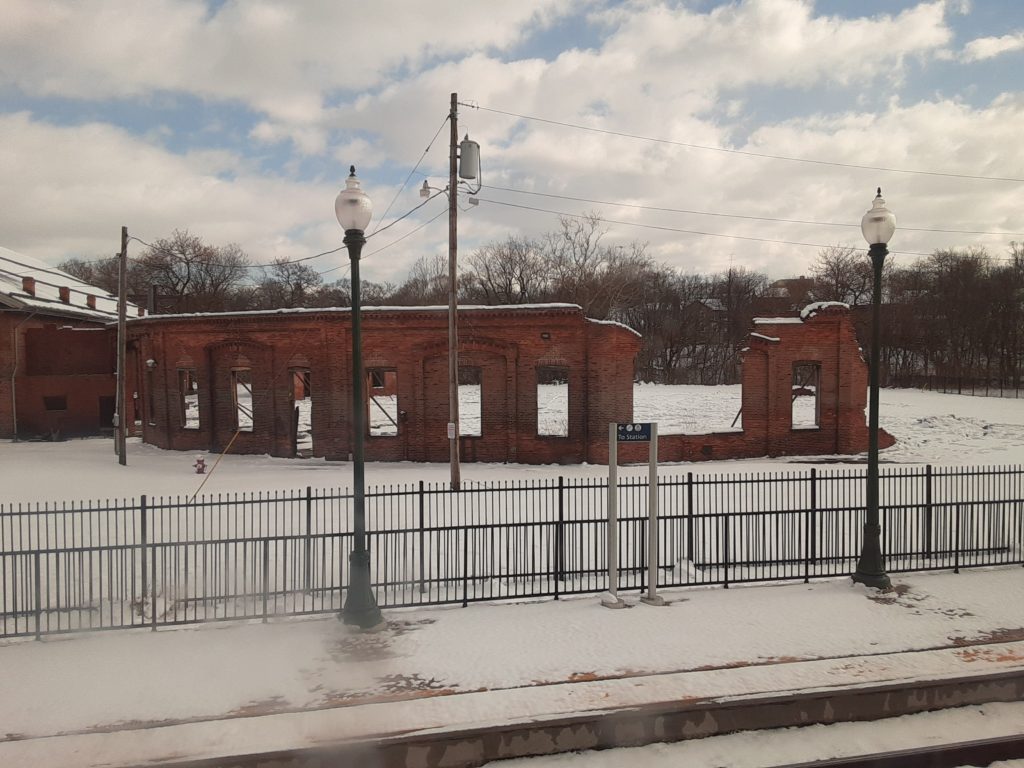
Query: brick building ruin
x: 804, y: 394
x: 210, y: 381
x: 57, y: 352
x: 236, y: 381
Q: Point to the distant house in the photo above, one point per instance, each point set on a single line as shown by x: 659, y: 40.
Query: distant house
x: 57, y: 351
x: 795, y: 291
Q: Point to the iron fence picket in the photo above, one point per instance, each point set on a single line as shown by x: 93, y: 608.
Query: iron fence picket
x: 160, y: 561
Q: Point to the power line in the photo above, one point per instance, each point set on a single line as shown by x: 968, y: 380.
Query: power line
x: 386, y: 210
x: 168, y: 252
x: 405, y: 215
x: 743, y: 216
x: 393, y: 242
x: 747, y: 153
x: 683, y: 231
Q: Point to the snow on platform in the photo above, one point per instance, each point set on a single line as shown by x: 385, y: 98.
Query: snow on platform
x: 212, y: 690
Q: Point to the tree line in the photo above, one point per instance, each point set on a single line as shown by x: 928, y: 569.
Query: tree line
x: 958, y: 313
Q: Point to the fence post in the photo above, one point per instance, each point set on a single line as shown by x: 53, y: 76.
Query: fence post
x: 465, y: 566
x: 725, y: 549
x: 560, y: 537
x: 809, y: 526
x: 144, y: 527
x: 928, y: 512
x: 152, y: 582
x: 39, y: 595
x: 266, y: 576
x: 956, y: 542
x: 689, y: 517
x: 307, y: 577
x: 814, y: 517
x: 423, y: 551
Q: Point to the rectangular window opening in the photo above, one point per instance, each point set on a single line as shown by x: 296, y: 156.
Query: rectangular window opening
x: 188, y: 394
x: 55, y: 402
x: 302, y: 409
x: 470, y: 401
x: 241, y: 390
x: 552, y: 401
x: 382, y: 402
x: 805, y: 400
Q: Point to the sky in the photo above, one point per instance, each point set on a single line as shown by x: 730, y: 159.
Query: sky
x: 749, y: 133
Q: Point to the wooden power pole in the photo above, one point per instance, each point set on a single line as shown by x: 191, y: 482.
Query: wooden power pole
x: 120, y: 416
x: 453, y: 292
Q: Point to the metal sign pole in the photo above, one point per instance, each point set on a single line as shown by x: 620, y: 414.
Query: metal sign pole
x: 610, y: 599
x: 652, y: 597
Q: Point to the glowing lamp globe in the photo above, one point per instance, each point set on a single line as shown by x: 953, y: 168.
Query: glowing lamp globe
x: 879, y: 223
x: 352, y: 206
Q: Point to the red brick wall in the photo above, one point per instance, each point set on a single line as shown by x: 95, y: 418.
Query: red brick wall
x: 507, y: 344
x: 828, y: 338
x: 60, y: 351
x: 56, y: 358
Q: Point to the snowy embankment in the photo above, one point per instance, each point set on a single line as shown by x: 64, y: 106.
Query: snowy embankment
x: 930, y: 428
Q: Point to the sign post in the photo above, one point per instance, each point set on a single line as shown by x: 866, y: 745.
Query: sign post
x: 611, y: 599
x: 652, y: 597
x: 644, y: 432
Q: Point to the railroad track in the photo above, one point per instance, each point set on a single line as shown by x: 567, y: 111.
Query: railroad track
x: 980, y: 753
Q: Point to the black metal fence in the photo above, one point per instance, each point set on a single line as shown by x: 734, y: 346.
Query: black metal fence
x: 960, y: 385
x: 161, y: 561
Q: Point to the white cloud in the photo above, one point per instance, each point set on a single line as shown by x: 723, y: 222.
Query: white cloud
x: 990, y: 47
x: 78, y: 185
x: 376, y: 94
x: 277, y: 57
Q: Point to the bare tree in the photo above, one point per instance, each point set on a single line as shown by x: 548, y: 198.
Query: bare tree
x: 288, y: 284
x: 199, y: 276
x: 509, y: 272
x: 427, y: 283
x: 842, y: 273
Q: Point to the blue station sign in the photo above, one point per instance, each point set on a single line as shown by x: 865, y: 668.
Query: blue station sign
x: 634, y: 433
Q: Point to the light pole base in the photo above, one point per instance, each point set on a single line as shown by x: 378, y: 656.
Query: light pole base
x: 875, y: 580
x: 653, y: 600
x: 360, y: 608
x: 608, y: 600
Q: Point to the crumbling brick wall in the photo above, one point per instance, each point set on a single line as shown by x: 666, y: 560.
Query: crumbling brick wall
x: 506, y: 344
x: 823, y: 335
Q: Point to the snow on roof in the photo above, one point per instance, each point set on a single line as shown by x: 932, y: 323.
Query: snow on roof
x: 812, y: 309
x: 49, y: 281
x: 615, y: 322
x: 777, y: 321
x: 321, y: 310
x: 762, y: 336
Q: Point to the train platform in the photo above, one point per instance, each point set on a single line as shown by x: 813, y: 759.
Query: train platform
x: 462, y: 686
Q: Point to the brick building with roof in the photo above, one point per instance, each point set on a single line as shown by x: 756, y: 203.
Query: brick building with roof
x: 57, y: 351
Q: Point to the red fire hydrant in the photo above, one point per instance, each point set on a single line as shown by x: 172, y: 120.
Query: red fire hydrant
x: 200, y: 465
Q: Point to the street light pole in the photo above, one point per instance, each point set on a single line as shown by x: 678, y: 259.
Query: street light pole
x: 353, y: 209
x: 878, y: 226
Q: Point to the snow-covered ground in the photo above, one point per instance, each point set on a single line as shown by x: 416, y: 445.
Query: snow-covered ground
x: 76, y: 683
x: 763, y: 749
x: 490, y: 664
x: 929, y: 427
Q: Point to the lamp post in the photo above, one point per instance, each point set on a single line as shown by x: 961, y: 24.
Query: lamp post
x: 353, y: 209
x: 878, y: 226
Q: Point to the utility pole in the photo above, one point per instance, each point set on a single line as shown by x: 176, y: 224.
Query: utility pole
x: 120, y: 420
x: 453, y: 304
